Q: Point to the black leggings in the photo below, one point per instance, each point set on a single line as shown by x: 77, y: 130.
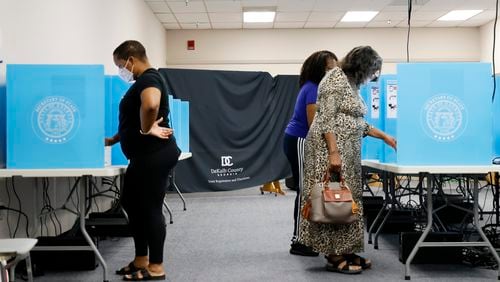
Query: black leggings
x: 144, y: 189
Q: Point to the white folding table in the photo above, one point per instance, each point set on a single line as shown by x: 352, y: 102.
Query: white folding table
x: 86, y: 175
x: 428, y: 172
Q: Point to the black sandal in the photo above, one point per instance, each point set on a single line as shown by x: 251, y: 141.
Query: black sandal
x: 129, y: 269
x: 143, y: 275
x: 359, y: 260
x: 341, y: 265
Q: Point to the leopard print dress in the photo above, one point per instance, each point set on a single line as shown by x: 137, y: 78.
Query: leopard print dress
x: 341, y: 111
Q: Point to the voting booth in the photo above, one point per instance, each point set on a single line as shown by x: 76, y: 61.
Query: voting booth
x: 371, y: 148
x: 389, y: 112
x: 55, y: 116
x: 179, y: 121
x: 3, y: 125
x: 496, y: 120
x: 115, y: 90
x: 444, y: 114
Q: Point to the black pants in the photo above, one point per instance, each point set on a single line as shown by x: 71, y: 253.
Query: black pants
x: 294, y: 151
x: 144, y: 189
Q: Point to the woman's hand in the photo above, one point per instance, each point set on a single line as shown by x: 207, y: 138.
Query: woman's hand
x: 391, y: 141
x: 110, y: 141
x: 334, y: 161
x: 159, y: 131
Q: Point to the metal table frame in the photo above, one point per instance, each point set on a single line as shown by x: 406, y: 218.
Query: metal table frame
x: 86, y: 175
x: 428, y: 172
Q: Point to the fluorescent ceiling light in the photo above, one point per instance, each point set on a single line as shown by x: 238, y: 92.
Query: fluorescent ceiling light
x: 459, y: 15
x: 359, y: 16
x: 258, y: 16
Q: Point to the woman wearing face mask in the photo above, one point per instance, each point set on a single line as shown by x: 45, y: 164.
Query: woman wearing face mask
x: 149, y: 144
x: 334, y: 144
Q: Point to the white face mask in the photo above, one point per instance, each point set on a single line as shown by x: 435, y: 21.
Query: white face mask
x: 125, y: 74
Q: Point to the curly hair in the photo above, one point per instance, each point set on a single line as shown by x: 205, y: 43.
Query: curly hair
x: 130, y: 48
x: 360, y: 64
x: 314, y: 67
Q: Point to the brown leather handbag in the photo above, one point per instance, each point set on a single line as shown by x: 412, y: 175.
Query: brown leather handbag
x: 330, y: 205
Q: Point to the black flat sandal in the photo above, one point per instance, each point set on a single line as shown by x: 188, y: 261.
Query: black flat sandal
x: 342, y: 265
x: 359, y: 260
x: 129, y: 269
x: 143, y: 275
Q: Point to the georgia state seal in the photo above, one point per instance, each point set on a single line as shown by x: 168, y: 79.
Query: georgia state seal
x: 444, y: 117
x: 55, y: 119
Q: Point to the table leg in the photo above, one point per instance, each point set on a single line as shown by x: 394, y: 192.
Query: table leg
x: 479, y: 229
x: 86, y: 185
x: 426, y: 231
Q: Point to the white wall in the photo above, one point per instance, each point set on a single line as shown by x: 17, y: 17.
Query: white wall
x: 283, y: 51
x: 486, y: 40
x: 69, y: 32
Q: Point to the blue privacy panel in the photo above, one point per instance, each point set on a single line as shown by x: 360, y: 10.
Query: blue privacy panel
x: 444, y: 115
x: 389, y: 111
x: 179, y: 121
x: 3, y: 125
x: 371, y: 148
x: 496, y: 119
x: 184, y: 134
x: 55, y: 116
x: 115, y: 89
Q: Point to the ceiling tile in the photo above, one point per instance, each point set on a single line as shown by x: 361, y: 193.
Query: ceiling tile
x: 444, y: 24
x: 225, y: 17
x: 414, y: 23
x: 350, y: 24
x: 325, y: 17
x: 440, y: 5
x: 294, y: 5
x: 475, y: 23
x: 393, y: 23
x: 159, y: 7
x: 235, y: 25
x: 171, y: 26
x: 191, y: 7
x: 223, y: 6
x: 257, y: 25
x: 325, y: 24
x: 393, y: 16
x: 291, y: 16
x: 192, y: 17
x: 259, y: 3
x: 166, y: 18
x: 195, y: 26
x: 289, y: 24
x: 427, y: 15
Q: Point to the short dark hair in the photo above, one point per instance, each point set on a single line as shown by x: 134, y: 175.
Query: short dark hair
x: 360, y: 64
x: 130, y: 48
x: 313, y: 68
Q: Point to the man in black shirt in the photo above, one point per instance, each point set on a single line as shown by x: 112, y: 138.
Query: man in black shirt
x: 149, y: 144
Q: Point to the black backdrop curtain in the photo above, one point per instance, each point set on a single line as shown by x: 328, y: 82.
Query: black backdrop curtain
x: 237, y: 122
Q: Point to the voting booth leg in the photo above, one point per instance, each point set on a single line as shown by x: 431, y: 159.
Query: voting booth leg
x: 384, y: 206
x: 389, y: 183
x: 168, y: 209
x: 426, y: 230
x: 479, y: 229
x: 86, y: 185
x: 172, y: 183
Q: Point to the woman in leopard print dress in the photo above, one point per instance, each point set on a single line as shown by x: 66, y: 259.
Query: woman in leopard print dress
x: 334, y: 144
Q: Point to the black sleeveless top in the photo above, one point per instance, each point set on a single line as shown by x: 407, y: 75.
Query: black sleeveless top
x: 133, y: 143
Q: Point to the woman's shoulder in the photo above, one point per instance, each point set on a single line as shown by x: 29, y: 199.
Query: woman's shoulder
x: 337, y: 76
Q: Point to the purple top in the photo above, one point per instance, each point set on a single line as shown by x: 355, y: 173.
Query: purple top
x: 298, y: 124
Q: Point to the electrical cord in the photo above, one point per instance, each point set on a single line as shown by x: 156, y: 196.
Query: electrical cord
x: 410, y: 6
x: 18, y: 205
x: 20, y: 213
